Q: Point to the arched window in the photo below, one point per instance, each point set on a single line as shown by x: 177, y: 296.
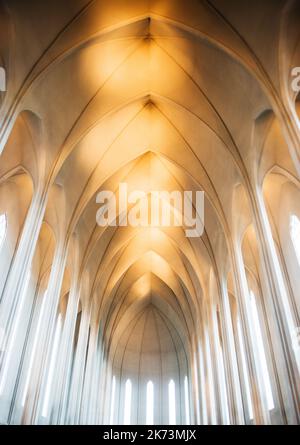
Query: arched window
x: 112, y: 402
x: 150, y: 403
x: 3, y: 226
x: 127, y: 402
x: 52, y: 366
x: 187, y: 401
x: 172, y: 406
x: 295, y: 235
x: 257, y: 334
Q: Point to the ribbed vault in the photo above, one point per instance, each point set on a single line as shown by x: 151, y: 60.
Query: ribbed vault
x: 160, y: 95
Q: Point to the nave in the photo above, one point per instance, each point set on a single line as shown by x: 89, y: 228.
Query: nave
x: 144, y: 325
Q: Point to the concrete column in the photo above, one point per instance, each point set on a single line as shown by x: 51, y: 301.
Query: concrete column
x: 62, y: 386
x: 44, y: 352
x: 79, y: 367
x: 230, y: 361
x: 19, y: 270
x: 95, y: 393
x: 275, y: 300
x: 214, y: 361
x: 220, y: 363
x: 86, y: 408
x: 260, y: 409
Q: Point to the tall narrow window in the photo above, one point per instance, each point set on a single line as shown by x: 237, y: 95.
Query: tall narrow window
x: 172, y: 406
x: 127, y: 403
x: 33, y: 349
x: 150, y: 403
x: 112, y: 402
x: 52, y: 367
x: 187, y: 401
x: 245, y: 369
x: 3, y: 225
x: 261, y: 352
x: 15, y: 328
x: 295, y: 235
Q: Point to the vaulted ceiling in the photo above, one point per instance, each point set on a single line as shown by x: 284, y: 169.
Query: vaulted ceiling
x: 158, y: 95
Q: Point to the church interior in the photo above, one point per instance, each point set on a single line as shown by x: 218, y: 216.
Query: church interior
x: 143, y: 325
